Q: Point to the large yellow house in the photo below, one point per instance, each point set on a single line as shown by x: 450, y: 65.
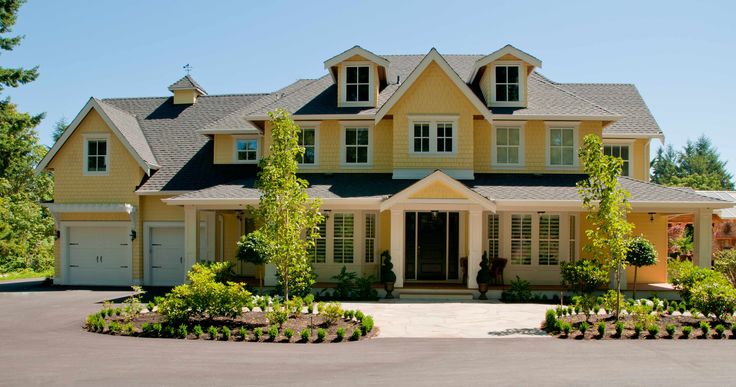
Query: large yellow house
x: 433, y: 158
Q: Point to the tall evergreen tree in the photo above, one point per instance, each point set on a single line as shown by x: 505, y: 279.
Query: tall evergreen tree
x: 59, y: 128
x: 664, y: 165
x: 698, y: 165
x: 29, y: 243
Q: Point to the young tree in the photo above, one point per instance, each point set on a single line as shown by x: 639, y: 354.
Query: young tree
x: 641, y: 253
x: 59, y: 128
x: 287, y: 211
x: 30, y: 244
x: 607, y: 205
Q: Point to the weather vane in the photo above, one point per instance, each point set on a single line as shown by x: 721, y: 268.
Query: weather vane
x: 187, y: 68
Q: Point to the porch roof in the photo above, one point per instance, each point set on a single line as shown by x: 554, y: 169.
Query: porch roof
x: 493, y: 186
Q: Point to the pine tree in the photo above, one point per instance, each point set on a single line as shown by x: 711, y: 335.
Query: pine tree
x: 698, y: 165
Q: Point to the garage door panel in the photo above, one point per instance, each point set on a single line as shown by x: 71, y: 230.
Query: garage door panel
x: 167, y: 256
x: 99, y: 255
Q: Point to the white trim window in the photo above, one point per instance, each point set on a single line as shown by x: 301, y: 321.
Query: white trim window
x: 508, y: 146
x: 357, y: 146
x: 370, y: 238
x: 318, y: 253
x: 549, y: 240
x: 494, y: 235
x: 96, y: 155
x: 343, y: 238
x: 621, y: 151
x: 433, y: 135
x: 357, y: 83
x: 573, y: 252
x: 562, y: 145
x: 507, y: 83
x: 308, y: 140
x: 521, y: 239
x: 246, y: 150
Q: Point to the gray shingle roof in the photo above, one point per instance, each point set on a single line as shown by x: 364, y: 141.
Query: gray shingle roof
x: 128, y: 126
x: 170, y: 130
x: 187, y: 83
x: 729, y: 196
x: 532, y: 187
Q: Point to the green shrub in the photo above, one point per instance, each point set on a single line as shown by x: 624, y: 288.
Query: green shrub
x: 321, y: 334
x: 638, y: 327
x: 387, y: 272
x: 305, y: 334
x: 158, y: 329
x: 359, y: 315
x: 653, y: 330
x: 715, y: 297
x: 289, y: 333
x: 147, y: 329
x: 551, y: 324
x: 619, y: 327
x: 583, y: 327
x: 725, y: 263
x: 273, y: 332
x: 559, y: 312
x: 345, y: 284
x: 182, y: 331
x: 705, y: 328
x: 278, y: 315
x: 115, y: 327
x: 686, y: 331
x: 365, y: 289
x: 355, y: 336
x: 310, y: 308
x: 205, y: 297
x: 118, y: 311
x: 366, y: 325
x: 212, y: 331
x: 243, y: 331
x: 670, y: 310
x: 602, y: 329
x: 685, y: 276
x: 226, y: 333
x: 331, y: 312
x: 566, y: 328
x: 258, y: 333
x: 733, y: 331
x: 151, y: 305
x: 586, y: 303
x: 519, y: 291
x: 720, y: 328
x: 583, y: 276
x: 263, y: 302
x: 340, y: 332
x: 197, y: 331
x: 670, y: 328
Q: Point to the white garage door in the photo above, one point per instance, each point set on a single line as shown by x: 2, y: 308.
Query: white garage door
x: 99, y: 255
x: 167, y: 256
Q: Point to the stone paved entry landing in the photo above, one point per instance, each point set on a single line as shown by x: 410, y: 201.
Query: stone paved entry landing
x: 455, y: 319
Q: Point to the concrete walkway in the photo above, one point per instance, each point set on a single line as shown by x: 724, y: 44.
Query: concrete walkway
x: 418, y: 319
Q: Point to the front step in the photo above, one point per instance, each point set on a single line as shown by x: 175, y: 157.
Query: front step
x: 435, y: 294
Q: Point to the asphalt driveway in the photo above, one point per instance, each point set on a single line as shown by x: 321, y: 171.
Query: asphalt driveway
x: 41, y: 342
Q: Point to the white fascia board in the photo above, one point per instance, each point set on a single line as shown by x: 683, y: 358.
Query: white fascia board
x: 548, y: 117
x: 356, y: 50
x: 507, y: 49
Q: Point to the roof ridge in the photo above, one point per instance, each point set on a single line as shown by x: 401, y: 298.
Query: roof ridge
x: 597, y: 84
x: 201, y: 96
x: 557, y: 86
x: 311, y: 82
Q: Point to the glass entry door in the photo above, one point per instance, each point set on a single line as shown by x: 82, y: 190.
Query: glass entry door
x: 431, y: 245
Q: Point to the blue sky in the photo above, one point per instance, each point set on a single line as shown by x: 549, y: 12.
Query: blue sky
x: 677, y: 53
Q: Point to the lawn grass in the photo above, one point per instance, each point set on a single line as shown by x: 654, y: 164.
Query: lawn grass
x: 22, y: 274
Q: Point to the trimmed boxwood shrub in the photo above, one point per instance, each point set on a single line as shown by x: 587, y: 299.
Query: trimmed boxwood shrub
x: 686, y: 331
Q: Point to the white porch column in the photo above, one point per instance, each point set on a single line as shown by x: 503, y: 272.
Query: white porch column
x: 475, y: 245
x: 397, y: 245
x: 191, y: 237
x: 703, y: 225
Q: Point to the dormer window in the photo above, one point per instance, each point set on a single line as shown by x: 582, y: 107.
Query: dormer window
x: 507, y: 83
x: 357, y: 84
x: 246, y: 150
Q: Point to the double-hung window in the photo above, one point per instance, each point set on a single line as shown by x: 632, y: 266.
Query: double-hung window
x: 246, y: 150
x: 357, y: 83
x: 433, y: 136
x: 343, y: 235
x: 622, y: 152
x: 370, y: 238
x: 549, y: 240
x: 318, y: 253
x: 357, y: 146
x: 494, y: 236
x: 562, y: 147
x: 573, y: 238
x: 308, y: 140
x: 508, y: 143
x: 507, y: 85
x: 96, y: 158
x: 521, y: 239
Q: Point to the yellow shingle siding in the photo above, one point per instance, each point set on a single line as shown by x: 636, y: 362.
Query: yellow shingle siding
x: 438, y: 190
x: 640, y: 153
x: 224, y: 148
x: 433, y: 93
x: 187, y: 97
x: 154, y: 210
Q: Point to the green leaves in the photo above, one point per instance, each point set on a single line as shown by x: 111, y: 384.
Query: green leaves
x: 698, y: 165
x: 641, y: 252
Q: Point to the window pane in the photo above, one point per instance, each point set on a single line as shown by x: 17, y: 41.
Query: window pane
x: 502, y: 155
x: 512, y: 74
x: 101, y: 147
x: 501, y: 74
x: 101, y: 165
x: 555, y: 156
x: 513, y: 136
x: 555, y: 137
x: 92, y: 148
x: 501, y: 93
x: 362, y: 136
x: 351, y: 155
x: 362, y: 154
x: 363, y: 74
x: 308, y: 137
x: 350, y: 137
x: 308, y: 156
x: 425, y: 130
x: 417, y: 145
x: 363, y: 93
x: 92, y: 163
x: 567, y: 156
x: 417, y: 130
x: 513, y: 92
x: 513, y: 155
x: 352, y: 93
x: 352, y: 73
x: 624, y: 152
x: 567, y: 137
x: 502, y: 136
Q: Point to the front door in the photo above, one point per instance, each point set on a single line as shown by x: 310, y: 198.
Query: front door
x: 432, y: 246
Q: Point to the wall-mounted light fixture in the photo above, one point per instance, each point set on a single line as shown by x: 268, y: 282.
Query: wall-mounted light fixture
x: 651, y: 216
x: 435, y: 214
x: 57, y: 234
x: 541, y: 212
x: 133, y: 234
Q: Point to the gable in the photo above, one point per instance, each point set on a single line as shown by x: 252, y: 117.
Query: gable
x: 438, y: 190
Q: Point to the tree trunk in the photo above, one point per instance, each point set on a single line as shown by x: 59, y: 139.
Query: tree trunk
x: 636, y: 269
x: 618, y: 291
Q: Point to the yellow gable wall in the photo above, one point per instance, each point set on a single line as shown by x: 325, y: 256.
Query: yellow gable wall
x: 433, y: 93
x: 185, y: 97
x: 438, y: 190
x: 224, y: 148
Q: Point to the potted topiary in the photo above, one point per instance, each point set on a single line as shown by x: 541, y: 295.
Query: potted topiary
x: 387, y: 273
x: 484, y: 277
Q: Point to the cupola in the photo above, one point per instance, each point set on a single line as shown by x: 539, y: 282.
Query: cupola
x: 186, y: 90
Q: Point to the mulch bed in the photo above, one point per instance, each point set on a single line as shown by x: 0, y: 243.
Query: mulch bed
x: 679, y: 321
x: 250, y: 320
